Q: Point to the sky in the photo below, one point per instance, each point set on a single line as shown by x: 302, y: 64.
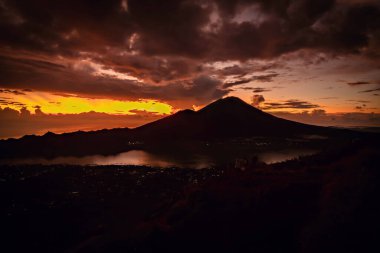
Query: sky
x: 86, y: 65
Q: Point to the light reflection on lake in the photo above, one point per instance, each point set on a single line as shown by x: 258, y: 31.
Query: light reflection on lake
x: 139, y: 157
x: 270, y: 157
x: 133, y: 157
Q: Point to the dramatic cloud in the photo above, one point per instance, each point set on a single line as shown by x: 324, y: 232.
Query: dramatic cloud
x: 358, y: 101
x: 261, y: 78
x: 182, y: 34
x: 320, y: 117
x: 290, y: 104
x: 257, y: 100
x: 15, y: 92
x: 195, y: 29
x: 259, y: 90
x: 235, y: 83
x: 265, y: 78
x: 370, y: 90
x: 358, y: 83
x: 199, y: 89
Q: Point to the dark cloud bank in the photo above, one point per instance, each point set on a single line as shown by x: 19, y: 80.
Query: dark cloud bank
x: 166, y: 43
x: 290, y: 104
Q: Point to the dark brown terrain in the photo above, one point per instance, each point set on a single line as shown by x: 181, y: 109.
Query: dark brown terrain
x: 324, y: 202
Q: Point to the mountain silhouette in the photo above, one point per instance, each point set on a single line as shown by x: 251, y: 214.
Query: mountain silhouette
x: 223, y: 119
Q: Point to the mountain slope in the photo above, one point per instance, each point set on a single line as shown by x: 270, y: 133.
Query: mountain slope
x: 221, y: 120
x: 225, y: 118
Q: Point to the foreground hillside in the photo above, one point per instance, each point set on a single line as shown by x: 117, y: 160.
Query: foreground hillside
x: 326, y: 202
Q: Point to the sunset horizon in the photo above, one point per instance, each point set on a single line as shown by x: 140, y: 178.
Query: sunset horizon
x: 316, y: 63
x: 37, y: 122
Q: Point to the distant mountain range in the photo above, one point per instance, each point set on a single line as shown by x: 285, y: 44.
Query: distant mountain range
x: 224, y: 119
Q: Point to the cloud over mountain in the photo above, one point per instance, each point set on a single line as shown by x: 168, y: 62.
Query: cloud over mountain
x: 125, y: 48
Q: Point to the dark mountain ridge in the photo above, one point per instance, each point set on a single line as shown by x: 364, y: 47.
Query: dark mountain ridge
x: 223, y: 119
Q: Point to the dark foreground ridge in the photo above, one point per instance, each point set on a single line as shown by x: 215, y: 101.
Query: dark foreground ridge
x: 324, y: 203
x: 224, y: 119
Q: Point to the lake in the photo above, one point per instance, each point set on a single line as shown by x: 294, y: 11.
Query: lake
x: 140, y: 157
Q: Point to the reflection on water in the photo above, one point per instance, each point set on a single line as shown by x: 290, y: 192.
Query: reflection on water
x: 139, y: 157
x: 270, y: 157
x: 133, y: 157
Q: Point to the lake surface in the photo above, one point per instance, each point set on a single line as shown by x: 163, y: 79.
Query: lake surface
x: 140, y: 157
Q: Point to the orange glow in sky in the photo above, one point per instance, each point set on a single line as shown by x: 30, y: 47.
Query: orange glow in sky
x: 54, y: 104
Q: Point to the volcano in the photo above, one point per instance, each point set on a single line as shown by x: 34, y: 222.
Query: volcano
x: 229, y: 117
x: 224, y: 119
